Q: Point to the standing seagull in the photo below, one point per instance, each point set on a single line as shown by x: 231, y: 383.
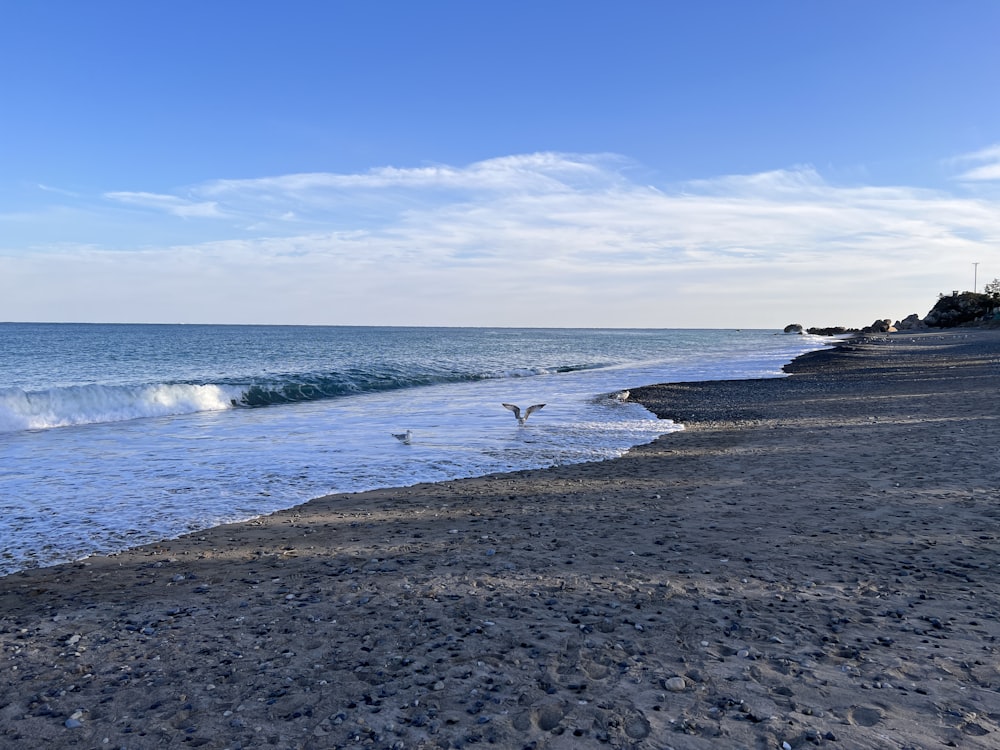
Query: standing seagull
x: 527, y: 413
x: 403, y: 437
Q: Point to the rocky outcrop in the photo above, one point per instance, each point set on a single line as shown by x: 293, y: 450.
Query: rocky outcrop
x: 831, y: 331
x: 911, y: 322
x: 879, y: 326
x: 960, y: 308
x: 956, y: 309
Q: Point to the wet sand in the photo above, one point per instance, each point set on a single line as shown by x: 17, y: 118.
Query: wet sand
x: 813, y: 562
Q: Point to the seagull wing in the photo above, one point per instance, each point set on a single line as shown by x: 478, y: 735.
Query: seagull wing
x: 531, y: 409
x: 515, y: 409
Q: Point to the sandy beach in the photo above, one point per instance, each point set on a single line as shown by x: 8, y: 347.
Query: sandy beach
x: 813, y: 562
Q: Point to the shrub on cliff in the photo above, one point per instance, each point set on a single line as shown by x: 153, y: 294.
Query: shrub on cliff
x: 956, y: 309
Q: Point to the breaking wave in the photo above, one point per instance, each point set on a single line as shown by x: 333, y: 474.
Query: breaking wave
x: 89, y: 404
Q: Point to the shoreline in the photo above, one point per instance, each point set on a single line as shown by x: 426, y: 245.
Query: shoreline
x: 813, y: 560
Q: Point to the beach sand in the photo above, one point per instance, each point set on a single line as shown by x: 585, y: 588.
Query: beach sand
x: 813, y: 562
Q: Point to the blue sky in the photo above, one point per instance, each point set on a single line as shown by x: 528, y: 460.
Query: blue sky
x: 655, y: 164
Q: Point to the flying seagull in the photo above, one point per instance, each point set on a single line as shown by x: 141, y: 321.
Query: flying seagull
x: 521, y: 419
x: 403, y: 437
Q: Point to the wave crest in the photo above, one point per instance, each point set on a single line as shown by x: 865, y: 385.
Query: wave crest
x: 90, y: 404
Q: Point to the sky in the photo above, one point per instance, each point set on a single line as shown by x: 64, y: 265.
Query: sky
x: 572, y: 164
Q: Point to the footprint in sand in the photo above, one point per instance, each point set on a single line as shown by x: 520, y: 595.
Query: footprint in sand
x: 866, y: 717
x: 636, y: 726
x: 547, y: 717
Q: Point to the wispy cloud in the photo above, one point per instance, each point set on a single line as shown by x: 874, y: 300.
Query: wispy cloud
x: 545, y: 172
x: 538, y: 239
x: 170, y: 204
x: 58, y: 191
x: 986, y: 165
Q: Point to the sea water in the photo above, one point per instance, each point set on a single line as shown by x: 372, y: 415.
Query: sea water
x: 117, y: 435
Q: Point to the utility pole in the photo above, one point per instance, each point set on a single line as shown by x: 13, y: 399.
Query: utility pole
x: 975, y: 276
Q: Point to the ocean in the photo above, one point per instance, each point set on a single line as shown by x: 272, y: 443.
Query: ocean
x: 113, y: 436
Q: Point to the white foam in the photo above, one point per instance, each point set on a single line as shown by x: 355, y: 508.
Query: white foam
x: 91, y: 404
